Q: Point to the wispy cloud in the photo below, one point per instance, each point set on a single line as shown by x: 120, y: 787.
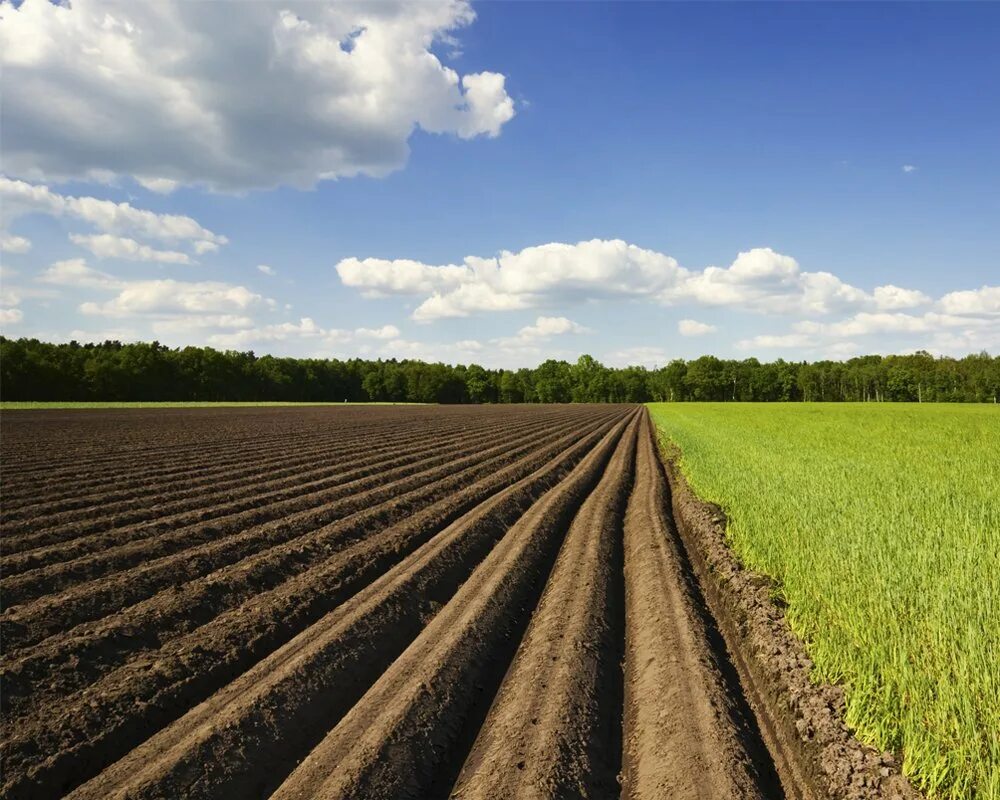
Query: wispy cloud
x: 691, y: 327
x: 119, y: 219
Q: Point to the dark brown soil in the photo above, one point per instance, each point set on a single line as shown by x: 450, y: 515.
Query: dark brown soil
x: 389, y: 602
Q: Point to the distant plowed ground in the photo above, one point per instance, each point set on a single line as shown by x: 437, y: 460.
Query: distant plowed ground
x: 361, y: 603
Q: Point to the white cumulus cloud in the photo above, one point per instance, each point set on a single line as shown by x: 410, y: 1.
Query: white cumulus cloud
x: 528, y: 278
x: 10, y: 299
x: 985, y: 300
x: 377, y: 277
x: 266, y: 270
x: 170, y: 306
x: 759, y: 280
x: 74, y: 272
x: 545, y: 327
x: 147, y: 298
x: 385, y: 332
x: 276, y: 92
x: 106, y: 245
x: 14, y: 244
x: 769, y: 282
x: 890, y: 298
x: 691, y: 327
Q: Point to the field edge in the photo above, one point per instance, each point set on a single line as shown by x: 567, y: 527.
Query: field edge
x: 802, y: 722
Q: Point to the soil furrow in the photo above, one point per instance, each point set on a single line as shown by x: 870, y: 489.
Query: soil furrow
x: 688, y: 731
x: 136, y: 487
x: 70, y: 661
x: 65, y: 509
x: 331, y: 525
x: 394, y: 741
x: 334, y: 655
x: 204, y: 439
x: 555, y: 727
x: 214, y: 470
x: 270, y: 500
x: 39, y: 472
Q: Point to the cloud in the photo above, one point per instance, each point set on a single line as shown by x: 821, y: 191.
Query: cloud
x: 545, y: 327
x: 20, y: 197
x: 306, y: 329
x: 759, y: 280
x: 9, y: 297
x: 469, y: 298
x: 765, y: 281
x: 532, y: 343
x: 640, y: 356
x: 867, y: 324
x: 985, y: 300
x: 14, y: 244
x: 158, y: 185
x: 691, y: 327
x: 487, y: 103
x: 287, y: 92
x: 930, y: 330
x: 9, y: 300
x: 153, y: 298
x: 184, y: 323
x: 75, y: 272
x: 167, y: 296
x: 265, y: 269
x: 105, y: 245
x: 908, y: 168
x: 513, y: 281
x: 385, y: 332
x: 890, y: 298
x: 377, y: 277
x: 767, y: 341
x: 198, y: 312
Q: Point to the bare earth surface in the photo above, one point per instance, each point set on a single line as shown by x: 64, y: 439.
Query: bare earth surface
x: 362, y: 602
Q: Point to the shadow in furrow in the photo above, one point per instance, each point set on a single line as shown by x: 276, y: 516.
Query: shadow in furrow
x: 613, y: 714
x: 742, y: 713
x: 501, y: 662
x: 491, y: 678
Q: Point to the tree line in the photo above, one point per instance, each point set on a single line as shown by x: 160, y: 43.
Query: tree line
x: 113, y: 371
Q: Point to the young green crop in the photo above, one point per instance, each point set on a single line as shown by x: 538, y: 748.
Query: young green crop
x: 881, y: 526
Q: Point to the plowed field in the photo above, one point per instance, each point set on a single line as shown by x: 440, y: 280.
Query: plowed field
x: 357, y: 603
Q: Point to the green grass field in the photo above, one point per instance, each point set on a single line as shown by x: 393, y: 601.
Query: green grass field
x: 13, y: 405
x: 881, y: 525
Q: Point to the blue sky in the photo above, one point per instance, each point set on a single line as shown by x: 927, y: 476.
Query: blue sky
x: 504, y: 182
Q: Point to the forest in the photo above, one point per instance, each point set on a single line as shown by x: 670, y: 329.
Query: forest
x: 115, y: 371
